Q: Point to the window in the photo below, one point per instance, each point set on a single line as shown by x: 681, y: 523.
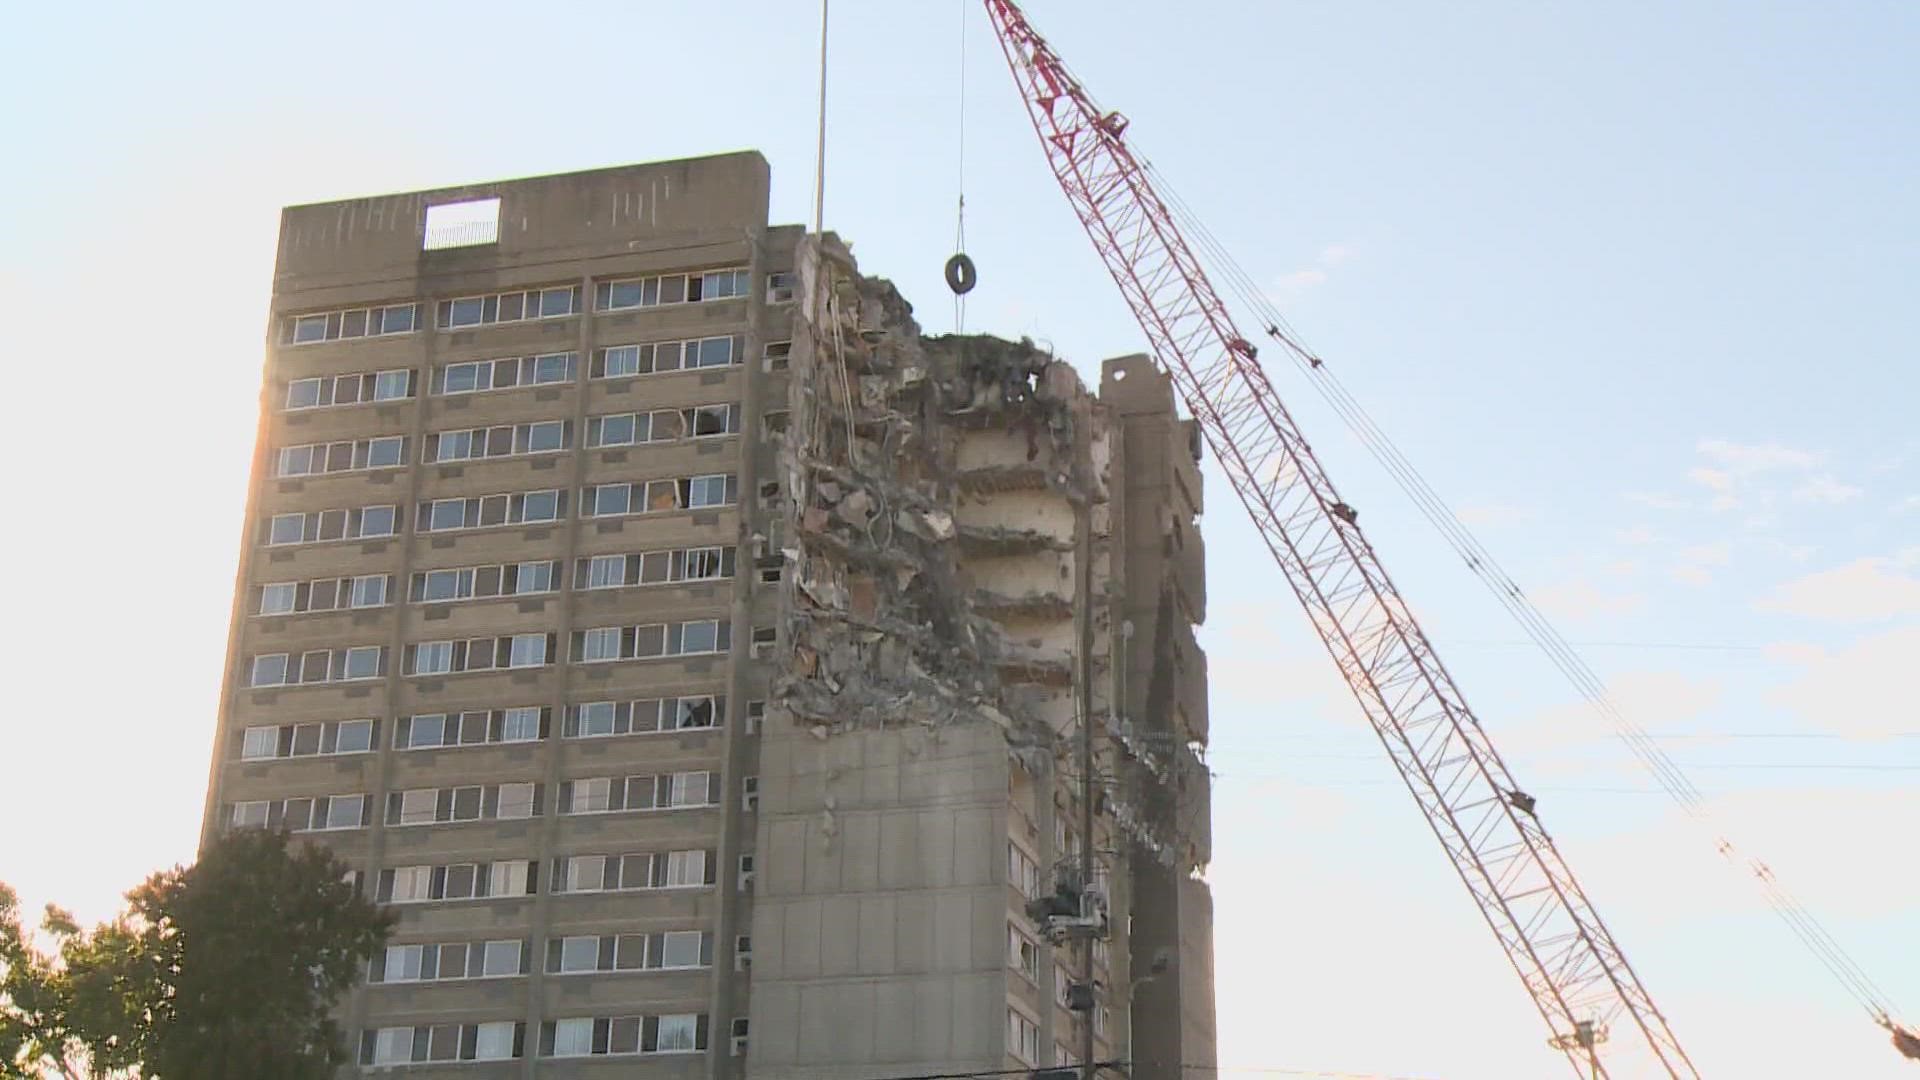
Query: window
x: 392, y: 1046
x: 780, y: 287
x: 363, y: 662
x: 585, y: 873
x: 750, y: 794
x: 533, y: 577
x: 509, y: 307
x: 764, y: 638
x: 670, y: 289
x: 520, y: 508
x: 528, y: 650
x: 392, y: 385
x: 742, y: 952
x: 269, y: 670
x: 343, y: 812
x: 355, y: 389
x: 418, y: 806
x: 1023, y: 1037
x: 776, y: 356
x: 362, y: 523
x: 520, y: 725
x: 746, y: 873
x: 506, y: 373
x: 717, y: 285
x: 689, y: 789
x: 710, y: 491
x: 700, y: 636
x: 250, y: 815
x: 438, y: 585
x: 318, y: 459
x: 686, y: 868
x: 509, y: 879
x: 1023, y: 955
x: 682, y: 949
x: 350, y: 323
x: 590, y: 796
x: 606, y: 571
x: 473, y: 444
x: 376, y: 521
x: 412, y: 884
x: 679, y: 1034
x: 260, y: 742
x: 1023, y: 873
x: 594, y: 719
x: 540, y: 506
x: 579, y: 954
x: 353, y: 737
x: 432, y: 658
x: 277, y: 598
x: 573, y: 1037
x: 369, y: 591
x: 304, y: 393
x: 403, y: 963
x: 500, y: 958
x: 654, y: 357
x: 493, y: 1041
x: 601, y: 645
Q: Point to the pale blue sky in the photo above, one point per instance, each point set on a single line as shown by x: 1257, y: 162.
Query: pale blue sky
x: 1632, y: 282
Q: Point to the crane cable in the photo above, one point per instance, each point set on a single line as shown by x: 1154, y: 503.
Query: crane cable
x: 960, y: 184
x: 1826, y: 949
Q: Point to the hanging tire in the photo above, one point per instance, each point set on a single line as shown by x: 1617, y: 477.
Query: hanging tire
x: 961, y: 276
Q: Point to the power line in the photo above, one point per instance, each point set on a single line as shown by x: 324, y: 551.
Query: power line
x: 1507, y: 592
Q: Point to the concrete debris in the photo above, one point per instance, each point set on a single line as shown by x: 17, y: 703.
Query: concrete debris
x: 888, y: 431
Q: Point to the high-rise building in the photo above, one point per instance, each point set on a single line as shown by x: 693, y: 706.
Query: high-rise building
x: 719, y: 677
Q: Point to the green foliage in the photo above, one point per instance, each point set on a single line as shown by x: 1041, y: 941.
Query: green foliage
x: 224, y: 970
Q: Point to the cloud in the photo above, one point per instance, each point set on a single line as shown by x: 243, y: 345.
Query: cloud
x: 1692, y: 563
x: 1911, y: 502
x: 1494, y: 514
x: 1865, y: 590
x: 1825, y: 489
x: 1312, y: 277
x: 1579, y: 601
x: 1656, y: 500
x: 1637, y: 535
x: 1863, y: 688
x: 1755, y: 458
x: 1300, y: 280
x: 1711, y: 479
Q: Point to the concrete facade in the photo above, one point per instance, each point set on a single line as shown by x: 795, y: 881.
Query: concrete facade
x: 716, y: 694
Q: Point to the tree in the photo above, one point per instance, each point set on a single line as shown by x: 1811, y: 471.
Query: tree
x: 223, y: 970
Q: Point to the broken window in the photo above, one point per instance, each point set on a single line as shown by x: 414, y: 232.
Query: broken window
x: 780, y: 287
x: 704, y: 563
x: 712, y: 420
x: 693, y: 712
x: 666, y: 494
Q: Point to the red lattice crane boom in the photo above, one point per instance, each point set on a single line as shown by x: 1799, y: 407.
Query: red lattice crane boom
x: 1575, y: 972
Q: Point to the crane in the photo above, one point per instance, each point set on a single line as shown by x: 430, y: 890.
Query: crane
x: 1571, y: 966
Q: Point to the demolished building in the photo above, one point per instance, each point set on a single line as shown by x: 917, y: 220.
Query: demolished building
x: 986, y: 643
x: 715, y: 675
